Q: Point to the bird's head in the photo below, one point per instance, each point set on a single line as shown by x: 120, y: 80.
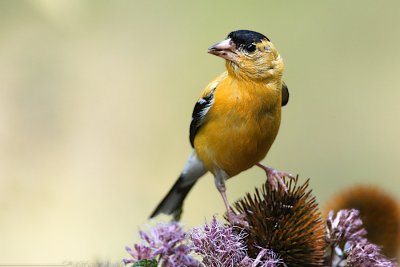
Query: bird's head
x: 249, y: 55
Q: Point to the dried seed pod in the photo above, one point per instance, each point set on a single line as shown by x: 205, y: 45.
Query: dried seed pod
x: 289, y: 223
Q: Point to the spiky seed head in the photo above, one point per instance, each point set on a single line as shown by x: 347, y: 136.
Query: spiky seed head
x: 289, y: 223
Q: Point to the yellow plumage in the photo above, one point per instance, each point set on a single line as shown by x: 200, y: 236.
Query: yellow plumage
x: 245, y: 116
x: 236, y: 119
x: 241, y: 125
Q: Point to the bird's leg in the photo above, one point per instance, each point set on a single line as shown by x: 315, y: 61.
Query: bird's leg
x: 235, y: 219
x: 274, y: 176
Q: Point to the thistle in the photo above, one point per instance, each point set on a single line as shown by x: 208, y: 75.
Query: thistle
x: 289, y: 223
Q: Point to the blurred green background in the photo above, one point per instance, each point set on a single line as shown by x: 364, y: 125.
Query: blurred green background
x: 96, y: 99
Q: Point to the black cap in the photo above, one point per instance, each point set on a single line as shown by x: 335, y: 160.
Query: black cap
x: 245, y: 37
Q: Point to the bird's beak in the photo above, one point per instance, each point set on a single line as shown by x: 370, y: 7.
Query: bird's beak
x: 225, y: 49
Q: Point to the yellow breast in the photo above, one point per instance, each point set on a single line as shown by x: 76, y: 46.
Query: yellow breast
x: 241, y: 125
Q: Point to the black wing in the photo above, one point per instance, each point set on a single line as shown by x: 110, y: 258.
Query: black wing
x: 199, y: 113
x: 285, y: 94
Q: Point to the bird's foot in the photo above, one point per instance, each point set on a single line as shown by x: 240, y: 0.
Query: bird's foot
x: 237, y: 219
x: 275, y: 177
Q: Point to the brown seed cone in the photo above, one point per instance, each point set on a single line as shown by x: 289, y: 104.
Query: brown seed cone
x: 289, y: 223
x: 379, y: 212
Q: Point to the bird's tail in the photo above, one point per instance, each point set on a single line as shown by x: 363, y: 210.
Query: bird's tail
x: 173, y: 201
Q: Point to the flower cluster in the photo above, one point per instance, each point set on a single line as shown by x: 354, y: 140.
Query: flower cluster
x: 347, y: 226
x: 222, y: 245
x: 217, y: 244
x: 282, y: 228
x: 166, y: 244
x: 364, y: 253
x: 349, y: 246
x: 379, y: 212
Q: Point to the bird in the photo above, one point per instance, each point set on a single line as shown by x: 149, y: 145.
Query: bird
x: 235, y: 120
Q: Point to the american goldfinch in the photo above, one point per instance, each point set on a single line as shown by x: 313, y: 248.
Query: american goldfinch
x: 236, y: 119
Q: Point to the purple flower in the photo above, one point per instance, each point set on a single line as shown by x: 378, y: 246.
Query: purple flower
x: 222, y: 246
x: 361, y: 254
x: 346, y: 236
x: 266, y: 258
x: 219, y: 245
x: 345, y: 227
x: 165, y: 242
x: 140, y: 252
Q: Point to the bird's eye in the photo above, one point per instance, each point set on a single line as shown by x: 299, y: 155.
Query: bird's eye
x: 250, y: 47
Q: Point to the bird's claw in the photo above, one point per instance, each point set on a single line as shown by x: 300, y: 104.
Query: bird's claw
x: 275, y: 177
x: 237, y: 219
